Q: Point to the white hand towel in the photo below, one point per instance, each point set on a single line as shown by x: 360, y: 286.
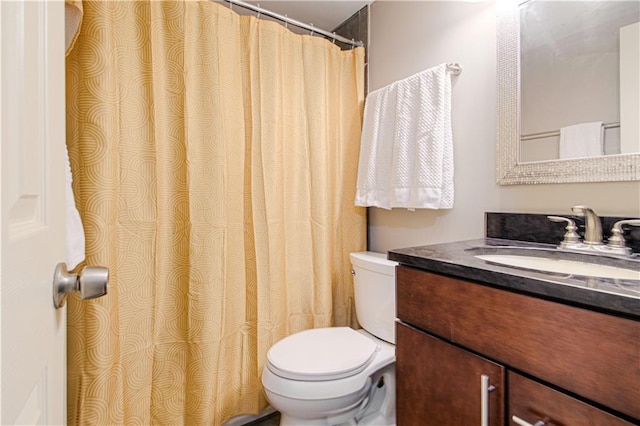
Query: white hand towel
x: 75, y: 232
x: 582, y: 140
x: 406, y: 153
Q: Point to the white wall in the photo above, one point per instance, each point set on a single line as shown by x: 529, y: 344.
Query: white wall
x: 409, y: 36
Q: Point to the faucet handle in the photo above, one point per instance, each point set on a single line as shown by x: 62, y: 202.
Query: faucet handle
x: 616, y: 240
x: 571, y: 236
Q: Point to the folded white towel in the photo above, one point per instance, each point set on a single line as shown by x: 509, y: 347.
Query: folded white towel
x: 406, y: 152
x: 582, y: 140
x: 75, y: 232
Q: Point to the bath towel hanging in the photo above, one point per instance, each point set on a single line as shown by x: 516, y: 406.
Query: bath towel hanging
x: 406, y: 153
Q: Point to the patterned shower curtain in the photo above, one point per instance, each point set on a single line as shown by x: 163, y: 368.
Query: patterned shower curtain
x: 214, y: 164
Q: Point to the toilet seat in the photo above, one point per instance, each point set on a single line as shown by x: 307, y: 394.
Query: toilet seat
x: 321, y: 354
x: 351, y: 387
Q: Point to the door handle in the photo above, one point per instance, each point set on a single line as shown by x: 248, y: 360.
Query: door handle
x: 92, y: 283
x: 485, y: 388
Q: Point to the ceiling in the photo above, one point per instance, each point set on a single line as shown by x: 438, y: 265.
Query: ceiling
x: 326, y: 14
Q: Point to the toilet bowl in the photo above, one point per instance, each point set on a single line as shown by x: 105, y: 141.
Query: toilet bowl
x: 338, y: 375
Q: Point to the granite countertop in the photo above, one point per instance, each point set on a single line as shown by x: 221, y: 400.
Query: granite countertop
x: 616, y: 296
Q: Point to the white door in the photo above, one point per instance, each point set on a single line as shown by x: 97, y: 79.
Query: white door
x: 32, y: 126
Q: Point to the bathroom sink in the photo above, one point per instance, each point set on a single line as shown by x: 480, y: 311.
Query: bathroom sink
x: 560, y: 262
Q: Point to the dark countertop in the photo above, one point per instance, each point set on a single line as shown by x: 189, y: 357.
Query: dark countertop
x: 615, y: 296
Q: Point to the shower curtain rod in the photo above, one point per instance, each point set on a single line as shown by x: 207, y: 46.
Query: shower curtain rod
x: 299, y: 24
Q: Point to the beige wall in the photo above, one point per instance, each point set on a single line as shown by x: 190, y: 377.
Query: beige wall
x: 409, y: 36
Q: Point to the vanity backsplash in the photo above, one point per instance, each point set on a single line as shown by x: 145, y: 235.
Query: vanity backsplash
x: 537, y: 228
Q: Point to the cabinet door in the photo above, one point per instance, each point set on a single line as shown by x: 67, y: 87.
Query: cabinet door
x: 532, y: 402
x: 441, y: 384
x: 589, y: 353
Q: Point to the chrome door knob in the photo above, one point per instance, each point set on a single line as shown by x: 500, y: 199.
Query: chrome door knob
x: 92, y: 282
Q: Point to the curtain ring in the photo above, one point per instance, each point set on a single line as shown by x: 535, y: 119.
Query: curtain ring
x: 258, y: 14
x: 353, y: 43
x: 230, y: 5
x: 311, y: 33
x: 286, y: 23
x: 334, y: 37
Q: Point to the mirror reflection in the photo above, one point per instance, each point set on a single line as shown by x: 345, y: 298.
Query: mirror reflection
x: 579, y: 79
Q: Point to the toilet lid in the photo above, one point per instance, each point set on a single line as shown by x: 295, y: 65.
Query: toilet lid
x: 321, y: 354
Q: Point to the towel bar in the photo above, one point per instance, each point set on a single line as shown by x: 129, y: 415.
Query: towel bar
x: 542, y: 135
x: 455, y: 68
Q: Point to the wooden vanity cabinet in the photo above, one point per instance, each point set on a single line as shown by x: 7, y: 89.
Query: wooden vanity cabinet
x: 451, y: 332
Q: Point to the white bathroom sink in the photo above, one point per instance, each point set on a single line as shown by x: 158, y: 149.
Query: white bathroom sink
x: 566, y: 262
x: 562, y: 266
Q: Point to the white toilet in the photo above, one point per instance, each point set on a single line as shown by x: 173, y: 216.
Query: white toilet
x: 338, y: 375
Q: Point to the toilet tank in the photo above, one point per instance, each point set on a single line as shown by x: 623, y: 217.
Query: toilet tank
x: 374, y: 286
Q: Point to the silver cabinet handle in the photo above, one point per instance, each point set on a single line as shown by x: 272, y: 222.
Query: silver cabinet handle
x: 517, y: 420
x: 485, y: 388
x: 92, y: 282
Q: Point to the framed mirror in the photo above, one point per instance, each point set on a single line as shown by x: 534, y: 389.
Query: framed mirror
x: 565, y: 67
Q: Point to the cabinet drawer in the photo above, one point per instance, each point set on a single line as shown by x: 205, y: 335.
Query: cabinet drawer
x: 589, y: 353
x: 532, y: 401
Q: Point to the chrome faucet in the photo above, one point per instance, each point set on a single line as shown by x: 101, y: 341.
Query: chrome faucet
x: 593, y: 233
x: 592, y: 225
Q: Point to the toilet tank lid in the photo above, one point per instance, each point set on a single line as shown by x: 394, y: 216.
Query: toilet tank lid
x: 321, y: 354
x: 373, y: 261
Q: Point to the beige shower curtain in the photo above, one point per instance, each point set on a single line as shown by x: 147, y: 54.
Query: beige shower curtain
x: 214, y: 160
